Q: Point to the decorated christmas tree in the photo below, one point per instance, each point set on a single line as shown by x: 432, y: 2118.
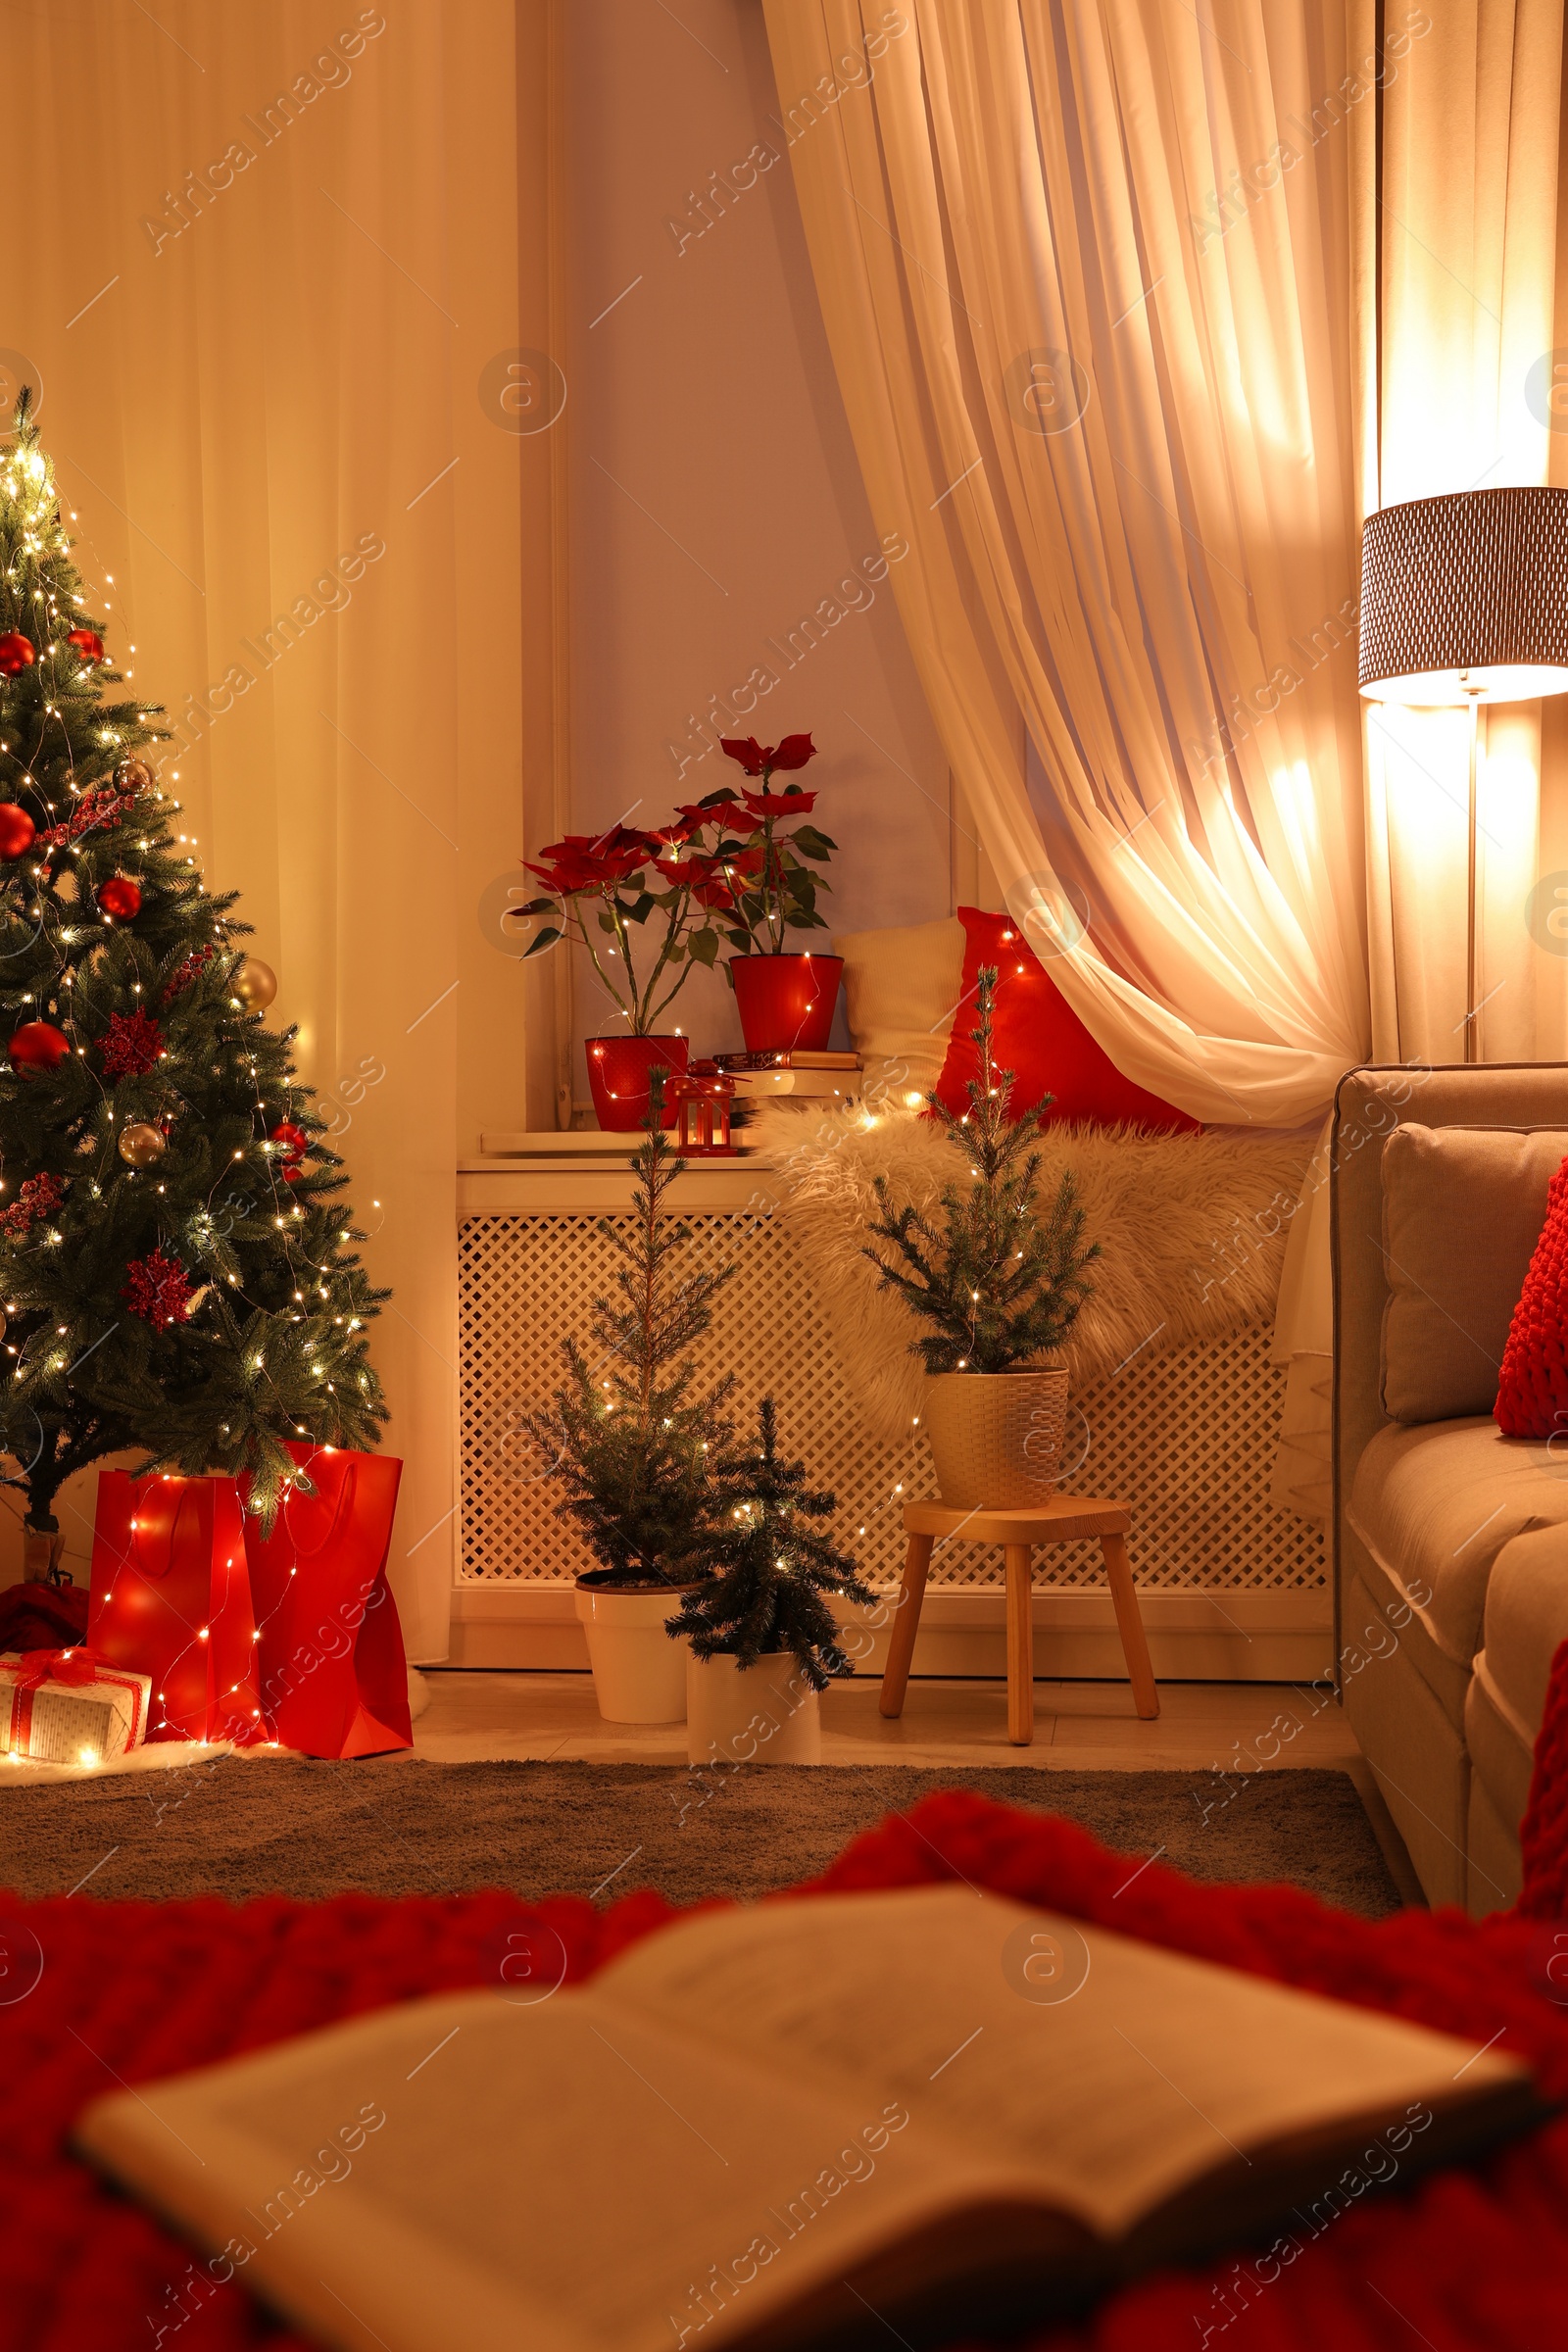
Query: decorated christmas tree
x: 999, y: 1282
x: 177, y: 1269
x: 766, y: 1570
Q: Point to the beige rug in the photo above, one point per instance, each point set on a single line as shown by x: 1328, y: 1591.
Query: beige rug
x: 1192, y: 1228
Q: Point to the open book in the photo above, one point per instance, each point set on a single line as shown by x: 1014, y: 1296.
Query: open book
x: 801, y: 2124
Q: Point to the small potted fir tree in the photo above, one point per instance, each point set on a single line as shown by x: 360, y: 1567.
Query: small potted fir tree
x: 631, y: 1443
x: 763, y: 1641
x: 1002, y: 1285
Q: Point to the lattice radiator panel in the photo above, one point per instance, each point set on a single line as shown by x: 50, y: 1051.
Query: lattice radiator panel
x: 1188, y: 1438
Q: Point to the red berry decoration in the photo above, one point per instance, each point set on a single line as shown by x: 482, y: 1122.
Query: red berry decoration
x: 16, y: 653
x: 38, y: 1046
x: 16, y: 830
x: 156, y: 1289
x: 87, y: 642
x: 120, y: 897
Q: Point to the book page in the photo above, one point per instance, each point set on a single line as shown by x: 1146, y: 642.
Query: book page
x: 1113, y: 2073
x: 463, y: 2175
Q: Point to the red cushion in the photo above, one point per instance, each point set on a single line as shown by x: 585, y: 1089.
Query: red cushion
x: 1041, y: 1039
x: 1533, y: 1385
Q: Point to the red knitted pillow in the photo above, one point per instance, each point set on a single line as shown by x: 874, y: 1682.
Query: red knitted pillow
x: 1041, y: 1039
x: 1533, y: 1385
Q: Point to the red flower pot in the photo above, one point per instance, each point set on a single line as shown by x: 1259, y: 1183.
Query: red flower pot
x: 617, y: 1077
x: 786, y: 1000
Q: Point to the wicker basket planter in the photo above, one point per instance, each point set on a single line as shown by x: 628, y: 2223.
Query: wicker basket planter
x: 996, y: 1437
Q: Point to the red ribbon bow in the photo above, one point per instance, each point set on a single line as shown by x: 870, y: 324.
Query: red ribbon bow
x: 41, y: 1666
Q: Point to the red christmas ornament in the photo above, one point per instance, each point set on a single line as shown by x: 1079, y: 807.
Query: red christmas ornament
x: 295, y: 1143
x: 133, y: 1045
x: 120, y: 897
x: 16, y: 653
x: 38, y: 1046
x: 16, y: 830
x: 156, y: 1289
x: 87, y: 642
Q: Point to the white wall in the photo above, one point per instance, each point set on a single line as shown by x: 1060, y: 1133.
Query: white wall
x: 714, y: 494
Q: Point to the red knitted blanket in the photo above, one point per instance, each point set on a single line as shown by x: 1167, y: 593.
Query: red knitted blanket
x: 95, y: 1993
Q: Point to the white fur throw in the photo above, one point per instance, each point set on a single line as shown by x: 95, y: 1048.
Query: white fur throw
x: 1191, y: 1230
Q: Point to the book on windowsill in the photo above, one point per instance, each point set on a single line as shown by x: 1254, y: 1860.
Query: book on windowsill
x: 788, y: 1057
x: 796, y: 2123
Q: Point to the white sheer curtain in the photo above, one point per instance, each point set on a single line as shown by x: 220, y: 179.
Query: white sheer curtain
x: 1085, y: 273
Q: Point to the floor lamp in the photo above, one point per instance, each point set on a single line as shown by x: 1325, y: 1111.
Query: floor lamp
x: 1465, y: 601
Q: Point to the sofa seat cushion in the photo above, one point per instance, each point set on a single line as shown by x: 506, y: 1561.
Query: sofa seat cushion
x: 1435, y: 1505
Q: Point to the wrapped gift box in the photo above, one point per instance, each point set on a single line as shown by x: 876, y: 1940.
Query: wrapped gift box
x: 66, y: 1706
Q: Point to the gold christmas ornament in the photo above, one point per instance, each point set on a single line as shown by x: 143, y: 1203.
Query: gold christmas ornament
x: 142, y: 1144
x: 134, y: 776
x: 2, y: 1322
x: 254, y: 983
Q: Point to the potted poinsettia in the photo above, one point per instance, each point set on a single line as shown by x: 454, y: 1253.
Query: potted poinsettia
x: 633, y: 900
x: 763, y: 1640
x: 630, y: 1437
x: 1003, y: 1284
x: 765, y: 853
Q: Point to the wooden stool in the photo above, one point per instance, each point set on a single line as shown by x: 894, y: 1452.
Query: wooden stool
x: 1063, y: 1520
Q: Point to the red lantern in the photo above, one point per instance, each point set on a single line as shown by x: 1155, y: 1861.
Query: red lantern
x: 121, y: 897
x: 38, y: 1046
x: 701, y: 1099
x: 16, y: 830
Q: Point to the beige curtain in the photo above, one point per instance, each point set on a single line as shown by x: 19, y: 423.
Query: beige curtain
x: 1085, y: 268
x: 262, y: 258
x: 1462, y: 384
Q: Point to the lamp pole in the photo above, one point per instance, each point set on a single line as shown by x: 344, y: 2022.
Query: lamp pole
x: 1472, y: 1011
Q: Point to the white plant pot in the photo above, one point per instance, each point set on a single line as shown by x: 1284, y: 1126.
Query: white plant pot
x: 996, y: 1437
x: 638, y: 1671
x: 762, y: 1714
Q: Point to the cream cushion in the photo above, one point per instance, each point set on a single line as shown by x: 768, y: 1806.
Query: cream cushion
x: 1434, y: 1507
x: 1462, y: 1213
x: 901, y: 992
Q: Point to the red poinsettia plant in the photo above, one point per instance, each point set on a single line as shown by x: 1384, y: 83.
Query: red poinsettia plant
x: 723, y: 869
x: 770, y: 883
x: 606, y: 887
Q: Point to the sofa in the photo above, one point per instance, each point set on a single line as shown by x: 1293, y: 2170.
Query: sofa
x: 1450, y: 1540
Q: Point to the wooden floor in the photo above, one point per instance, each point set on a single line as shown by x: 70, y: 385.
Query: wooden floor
x: 1222, y: 1728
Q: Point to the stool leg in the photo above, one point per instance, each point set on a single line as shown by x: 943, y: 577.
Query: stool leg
x: 1020, y: 1646
x: 1130, y: 1623
x: 906, y: 1624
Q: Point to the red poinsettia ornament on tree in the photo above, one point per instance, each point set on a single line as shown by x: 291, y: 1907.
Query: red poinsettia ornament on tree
x: 133, y: 1045
x: 156, y: 1289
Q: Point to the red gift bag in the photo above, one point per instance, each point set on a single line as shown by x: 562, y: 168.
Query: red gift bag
x: 333, y: 1679
x: 171, y: 1597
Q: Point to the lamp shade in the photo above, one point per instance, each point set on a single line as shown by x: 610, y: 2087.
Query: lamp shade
x: 1465, y: 598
